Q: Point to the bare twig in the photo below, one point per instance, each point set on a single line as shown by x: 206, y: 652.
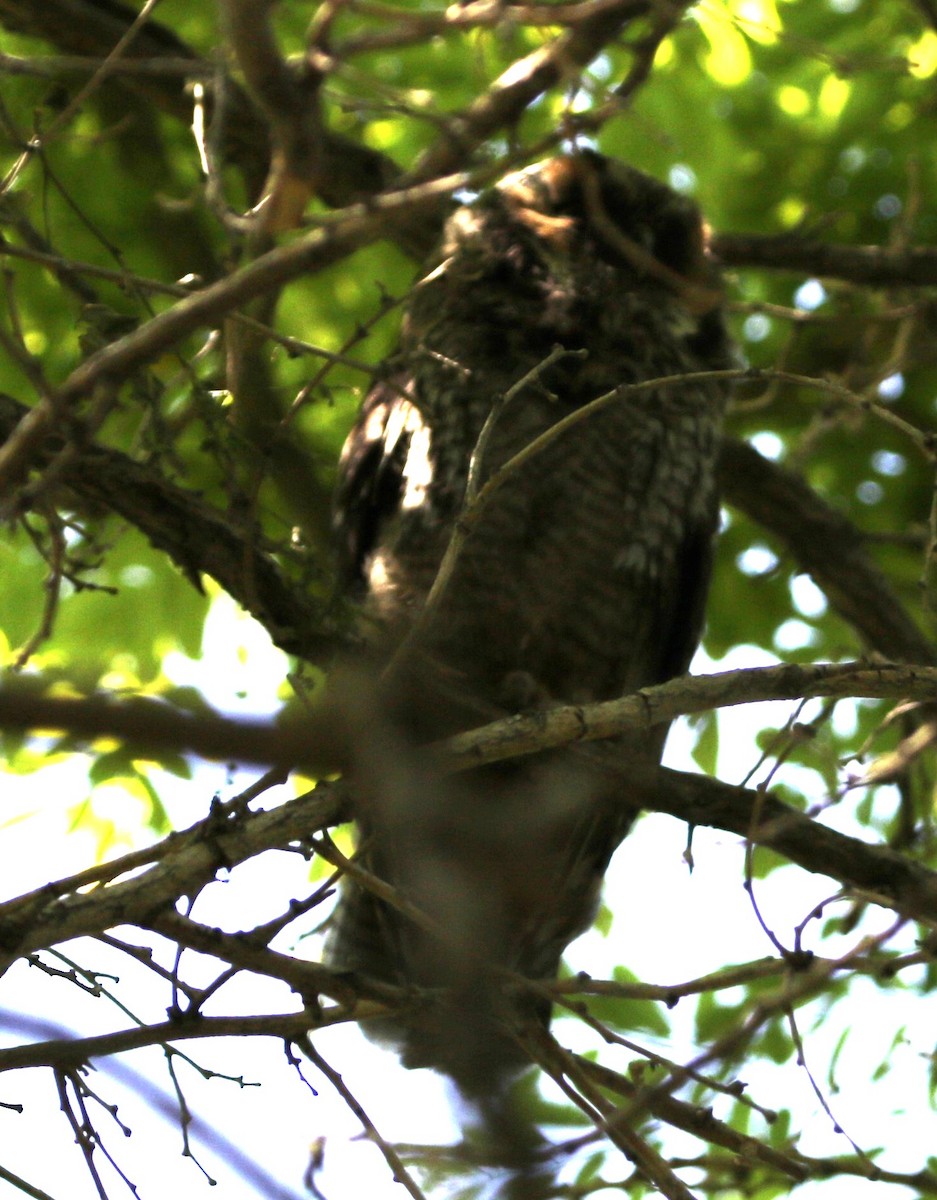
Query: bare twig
x: 114, y: 56
x: 400, y: 1172
x: 564, y: 1068
x: 21, y: 1185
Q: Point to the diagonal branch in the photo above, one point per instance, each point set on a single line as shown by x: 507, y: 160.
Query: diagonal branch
x: 190, y: 860
x: 688, y: 694
x: 826, y: 545
x: 331, y: 241
x: 880, y: 875
x: 501, y: 106
x: 198, y: 538
x: 307, y: 979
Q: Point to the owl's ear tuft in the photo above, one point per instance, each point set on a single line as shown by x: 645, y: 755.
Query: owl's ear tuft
x: 552, y: 187
x: 562, y: 178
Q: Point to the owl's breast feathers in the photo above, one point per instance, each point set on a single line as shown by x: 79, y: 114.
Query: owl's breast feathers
x: 585, y: 572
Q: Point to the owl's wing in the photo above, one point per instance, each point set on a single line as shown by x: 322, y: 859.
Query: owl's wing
x: 371, y: 476
x: 683, y: 610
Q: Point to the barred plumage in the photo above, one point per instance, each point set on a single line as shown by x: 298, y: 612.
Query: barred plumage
x: 583, y: 577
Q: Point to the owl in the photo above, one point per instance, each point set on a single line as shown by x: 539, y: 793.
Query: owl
x: 580, y: 575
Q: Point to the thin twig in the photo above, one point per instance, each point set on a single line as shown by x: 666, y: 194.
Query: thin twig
x: 400, y: 1172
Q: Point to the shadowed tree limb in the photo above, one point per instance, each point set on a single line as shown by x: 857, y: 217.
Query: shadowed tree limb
x: 872, y: 266
x: 191, y: 859
x: 92, y: 27
x: 197, y: 537
x: 324, y: 739
x: 826, y: 545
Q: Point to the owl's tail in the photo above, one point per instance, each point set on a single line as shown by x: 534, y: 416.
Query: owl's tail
x: 491, y: 876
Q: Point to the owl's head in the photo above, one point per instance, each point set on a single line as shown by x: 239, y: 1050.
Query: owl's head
x: 633, y: 220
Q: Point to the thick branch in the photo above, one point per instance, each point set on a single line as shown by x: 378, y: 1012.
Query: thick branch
x: 879, y: 874
x: 872, y: 266
x: 324, y: 740
x: 824, y: 544
x: 320, y: 248
x: 198, y: 538
x: 563, y: 726
x: 72, y: 1052
x: 309, y: 158
x: 318, y: 741
x: 501, y: 106
x: 40, y: 920
x: 191, y: 860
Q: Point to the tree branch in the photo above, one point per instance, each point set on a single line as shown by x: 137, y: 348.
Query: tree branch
x: 72, y: 1052
x: 187, y: 862
x: 659, y: 705
x: 308, y: 157
x: 871, y: 266
x: 696, y: 1120
x: 191, y: 860
x: 824, y: 544
x: 331, y: 241
x: 880, y: 875
x: 198, y: 538
x: 323, y: 740
x: 307, y: 979
x: 699, y: 1121
x: 501, y: 106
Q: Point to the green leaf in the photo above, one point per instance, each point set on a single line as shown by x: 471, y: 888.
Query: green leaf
x: 706, y: 747
x: 623, y: 1013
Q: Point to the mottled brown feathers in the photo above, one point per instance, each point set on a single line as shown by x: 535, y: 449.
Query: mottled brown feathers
x: 583, y: 577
